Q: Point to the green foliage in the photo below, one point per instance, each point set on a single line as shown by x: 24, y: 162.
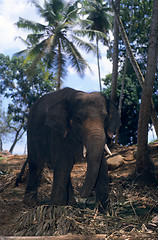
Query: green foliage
x: 141, y: 19
x: 4, y: 119
x: 7, y: 125
x: 137, y: 21
x: 130, y: 108
x: 21, y: 89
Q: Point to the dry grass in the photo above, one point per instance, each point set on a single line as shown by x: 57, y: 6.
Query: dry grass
x: 57, y: 220
x: 128, y: 211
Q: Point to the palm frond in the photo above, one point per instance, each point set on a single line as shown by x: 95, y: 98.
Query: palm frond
x: 63, y: 69
x: 70, y: 11
x: 34, y: 38
x: 40, y: 10
x: 84, y: 45
x: 75, y: 58
x: 90, y: 33
x: 24, y: 53
x: 36, y: 53
x: 23, y: 40
x: 85, y: 23
x: 50, y: 58
x: 30, y: 25
x: 63, y: 27
x: 57, y: 6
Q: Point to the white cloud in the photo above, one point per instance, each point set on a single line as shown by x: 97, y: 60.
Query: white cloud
x: 10, y: 11
x: 8, y: 33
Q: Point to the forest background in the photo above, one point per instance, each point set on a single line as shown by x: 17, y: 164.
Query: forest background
x: 19, y: 91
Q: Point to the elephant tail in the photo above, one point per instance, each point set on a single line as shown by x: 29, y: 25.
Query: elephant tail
x: 19, y: 176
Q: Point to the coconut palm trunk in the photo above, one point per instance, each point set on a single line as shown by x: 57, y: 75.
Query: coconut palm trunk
x: 59, y: 66
x: 98, y: 63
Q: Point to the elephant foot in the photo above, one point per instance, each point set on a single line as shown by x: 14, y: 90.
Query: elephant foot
x: 30, y: 199
x: 102, y: 205
x: 85, y: 193
x: 58, y: 202
x: 63, y: 202
x: 72, y: 202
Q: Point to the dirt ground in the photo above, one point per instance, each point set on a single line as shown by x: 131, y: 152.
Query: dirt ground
x: 132, y: 212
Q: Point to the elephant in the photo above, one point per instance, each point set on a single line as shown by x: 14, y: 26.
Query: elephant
x: 62, y: 125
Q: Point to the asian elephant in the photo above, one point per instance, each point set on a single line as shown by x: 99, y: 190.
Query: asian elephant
x: 64, y: 124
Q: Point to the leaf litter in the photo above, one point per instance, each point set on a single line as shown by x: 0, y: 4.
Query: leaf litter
x: 132, y: 209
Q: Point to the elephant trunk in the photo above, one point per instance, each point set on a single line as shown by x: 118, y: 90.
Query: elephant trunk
x: 94, y: 144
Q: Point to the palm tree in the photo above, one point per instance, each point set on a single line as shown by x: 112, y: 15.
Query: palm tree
x: 100, y: 20
x: 55, y: 42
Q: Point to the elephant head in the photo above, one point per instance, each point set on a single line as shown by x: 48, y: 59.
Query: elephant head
x: 87, y: 119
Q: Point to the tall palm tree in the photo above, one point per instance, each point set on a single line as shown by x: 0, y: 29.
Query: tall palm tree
x: 101, y: 21
x: 55, y: 42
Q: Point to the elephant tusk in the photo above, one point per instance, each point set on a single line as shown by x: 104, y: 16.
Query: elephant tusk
x: 107, y: 149
x: 84, y: 151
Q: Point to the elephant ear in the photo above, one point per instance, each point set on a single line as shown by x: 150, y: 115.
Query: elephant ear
x: 57, y: 114
x: 114, y: 120
x: 57, y: 119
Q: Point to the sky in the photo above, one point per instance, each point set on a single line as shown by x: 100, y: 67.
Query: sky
x: 10, y: 11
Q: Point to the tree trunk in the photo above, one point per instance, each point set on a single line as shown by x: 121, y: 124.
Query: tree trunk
x: 124, y: 74
x: 97, y: 43
x: 115, y: 56
x: 59, y: 66
x: 144, y: 167
x: 1, y: 148
x: 121, y: 97
x: 134, y: 64
x: 17, y: 138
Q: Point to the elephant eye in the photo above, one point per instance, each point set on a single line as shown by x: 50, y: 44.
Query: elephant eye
x: 78, y: 120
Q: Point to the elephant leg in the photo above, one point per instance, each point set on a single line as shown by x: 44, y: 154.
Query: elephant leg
x: 35, y: 170
x: 61, y: 179
x: 102, y: 185
x: 71, y: 198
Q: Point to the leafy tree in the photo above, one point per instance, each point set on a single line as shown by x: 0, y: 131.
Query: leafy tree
x: 99, y: 19
x: 3, y: 126
x: 144, y: 168
x: 130, y: 107
x: 134, y: 63
x: 21, y: 90
x: 7, y: 126
x: 55, y: 41
x: 141, y: 19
